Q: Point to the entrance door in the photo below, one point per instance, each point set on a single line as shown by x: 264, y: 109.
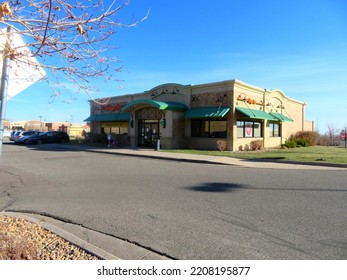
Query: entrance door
x: 148, y: 132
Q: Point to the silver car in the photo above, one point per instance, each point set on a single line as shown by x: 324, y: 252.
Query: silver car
x: 23, y: 136
x: 14, y: 133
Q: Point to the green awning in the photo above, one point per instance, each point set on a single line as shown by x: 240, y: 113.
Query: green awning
x: 206, y: 112
x: 256, y: 114
x: 161, y: 105
x: 281, y: 117
x: 109, y: 117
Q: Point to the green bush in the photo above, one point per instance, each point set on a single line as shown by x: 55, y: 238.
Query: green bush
x: 302, y: 143
x: 290, y: 143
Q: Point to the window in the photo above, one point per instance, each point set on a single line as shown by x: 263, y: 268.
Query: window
x: 209, y: 128
x: 114, y: 127
x: 256, y: 129
x: 240, y: 129
x: 274, y: 130
x: 248, y: 129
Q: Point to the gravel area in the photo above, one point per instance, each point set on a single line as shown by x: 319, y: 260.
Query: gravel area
x: 23, y: 240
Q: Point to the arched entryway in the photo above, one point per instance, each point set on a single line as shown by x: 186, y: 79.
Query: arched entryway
x: 148, y: 120
x: 148, y: 123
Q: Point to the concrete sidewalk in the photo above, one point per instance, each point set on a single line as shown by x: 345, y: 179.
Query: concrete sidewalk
x: 223, y: 160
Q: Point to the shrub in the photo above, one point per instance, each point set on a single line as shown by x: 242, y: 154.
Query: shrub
x: 323, y: 140
x: 302, y: 143
x: 305, y: 138
x: 221, y: 145
x: 256, y: 145
x: 290, y: 143
x: 329, y: 140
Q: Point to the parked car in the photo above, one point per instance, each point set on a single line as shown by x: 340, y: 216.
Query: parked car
x: 14, y: 133
x: 23, y: 136
x: 49, y: 137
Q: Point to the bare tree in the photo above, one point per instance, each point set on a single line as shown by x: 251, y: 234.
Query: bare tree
x: 70, y: 38
x: 332, y: 131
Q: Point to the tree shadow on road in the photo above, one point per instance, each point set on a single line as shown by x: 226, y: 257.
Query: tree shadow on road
x: 214, y: 187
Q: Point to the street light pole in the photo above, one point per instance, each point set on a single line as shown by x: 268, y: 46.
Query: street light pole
x: 40, y: 123
x: 4, y: 84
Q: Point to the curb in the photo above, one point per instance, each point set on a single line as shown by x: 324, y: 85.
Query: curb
x: 310, y: 163
x: 84, y: 245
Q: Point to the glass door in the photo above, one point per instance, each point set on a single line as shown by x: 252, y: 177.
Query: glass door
x: 148, y: 132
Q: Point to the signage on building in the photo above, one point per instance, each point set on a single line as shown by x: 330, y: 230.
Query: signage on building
x: 249, y: 130
x: 112, y: 108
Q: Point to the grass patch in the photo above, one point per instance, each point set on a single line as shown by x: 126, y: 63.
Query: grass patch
x: 303, y: 154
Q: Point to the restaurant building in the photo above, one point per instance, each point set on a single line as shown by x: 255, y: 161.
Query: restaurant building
x: 229, y: 113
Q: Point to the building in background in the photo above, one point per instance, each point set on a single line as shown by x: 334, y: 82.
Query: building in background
x: 75, y: 130
x: 7, y: 125
x: 78, y: 131
x: 230, y: 113
x: 28, y: 125
x: 57, y: 126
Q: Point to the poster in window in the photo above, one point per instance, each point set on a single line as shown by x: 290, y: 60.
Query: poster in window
x: 248, y: 130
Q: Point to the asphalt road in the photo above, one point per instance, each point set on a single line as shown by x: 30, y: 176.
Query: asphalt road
x: 181, y: 209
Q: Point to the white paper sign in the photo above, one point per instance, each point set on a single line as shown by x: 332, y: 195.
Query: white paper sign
x: 23, y: 73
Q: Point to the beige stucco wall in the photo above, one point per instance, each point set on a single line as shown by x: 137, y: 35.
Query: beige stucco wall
x: 211, y: 95
x: 268, y: 101
x: 177, y: 133
x: 291, y: 108
x: 309, y: 126
x: 76, y: 130
x: 197, y: 143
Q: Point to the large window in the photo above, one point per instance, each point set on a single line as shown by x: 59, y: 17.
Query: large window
x: 209, y: 128
x: 249, y: 129
x: 274, y: 130
x: 115, y: 127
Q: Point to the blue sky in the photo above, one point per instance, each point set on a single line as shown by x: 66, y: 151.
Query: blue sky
x: 297, y: 46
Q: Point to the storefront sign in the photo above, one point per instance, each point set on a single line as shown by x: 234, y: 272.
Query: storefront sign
x: 112, y: 108
x: 249, y: 130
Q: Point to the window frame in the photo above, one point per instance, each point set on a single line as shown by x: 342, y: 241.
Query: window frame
x: 253, y: 127
x: 207, y: 132
x: 272, y: 130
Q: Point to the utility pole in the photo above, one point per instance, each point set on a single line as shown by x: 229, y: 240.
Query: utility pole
x: 40, y: 123
x: 4, y: 84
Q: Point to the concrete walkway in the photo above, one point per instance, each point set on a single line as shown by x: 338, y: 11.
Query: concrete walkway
x: 225, y: 160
